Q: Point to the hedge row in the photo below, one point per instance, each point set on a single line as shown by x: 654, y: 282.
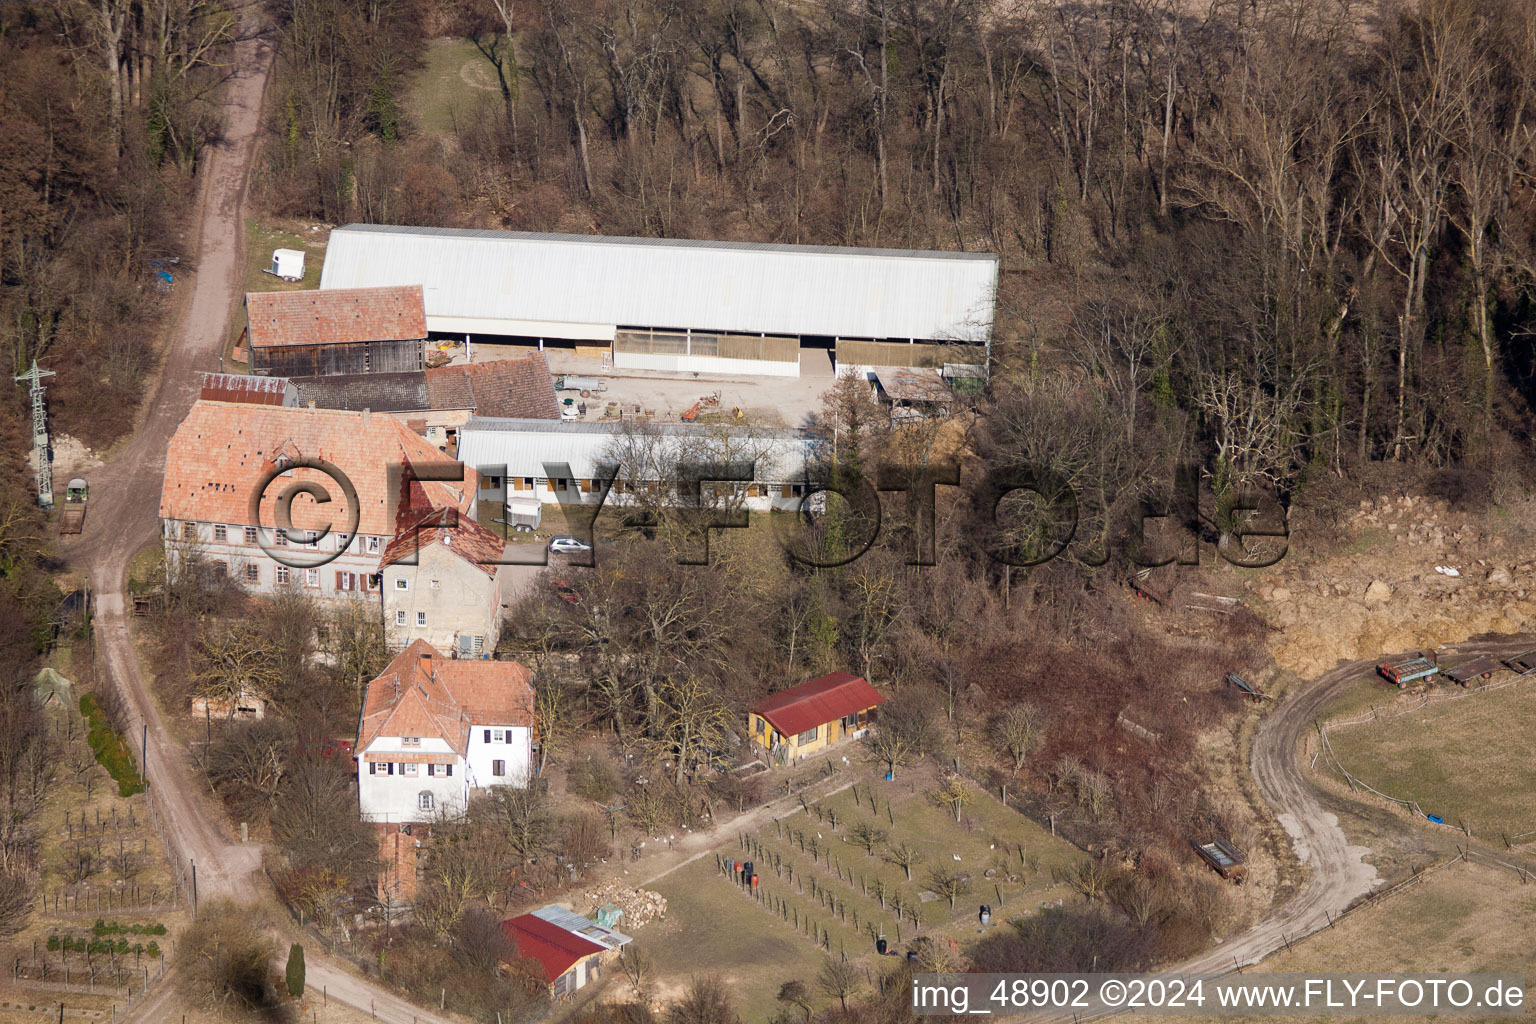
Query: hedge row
x: 122, y: 947
x: 109, y: 748
x: 102, y: 928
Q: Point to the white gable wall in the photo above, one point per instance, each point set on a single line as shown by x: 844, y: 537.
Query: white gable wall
x: 516, y: 753
x: 396, y: 797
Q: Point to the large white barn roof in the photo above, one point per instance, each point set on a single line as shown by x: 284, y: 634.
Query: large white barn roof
x: 585, y: 286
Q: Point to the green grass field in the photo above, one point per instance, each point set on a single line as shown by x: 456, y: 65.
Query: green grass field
x: 711, y: 927
x: 455, y: 85
x: 1465, y: 760
x: 260, y: 239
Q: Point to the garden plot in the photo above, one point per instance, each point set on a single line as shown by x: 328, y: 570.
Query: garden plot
x: 877, y: 860
x: 106, y: 906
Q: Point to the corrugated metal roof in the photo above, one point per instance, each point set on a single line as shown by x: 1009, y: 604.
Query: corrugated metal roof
x: 747, y: 287
x: 238, y: 387
x: 552, y: 946
x: 525, y: 445
x: 578, y: 925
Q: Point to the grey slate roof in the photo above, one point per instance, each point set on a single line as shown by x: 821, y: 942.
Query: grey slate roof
x: 380, y: 392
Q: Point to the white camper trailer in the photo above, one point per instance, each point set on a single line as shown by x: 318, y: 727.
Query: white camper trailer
x: 288, y: 264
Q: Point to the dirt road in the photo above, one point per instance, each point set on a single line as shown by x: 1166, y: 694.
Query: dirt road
x: 125, y: 501
x: 1336, y: 874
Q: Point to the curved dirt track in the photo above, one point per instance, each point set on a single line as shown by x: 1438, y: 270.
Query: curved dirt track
x: 124, y: 516
x: 1335, y: 872
x: 1336, y: 875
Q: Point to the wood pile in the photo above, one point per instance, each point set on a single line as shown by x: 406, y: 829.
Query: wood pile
x: 639, y: 905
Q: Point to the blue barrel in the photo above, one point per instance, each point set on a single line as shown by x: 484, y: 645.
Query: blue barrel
x: 1436, y: 819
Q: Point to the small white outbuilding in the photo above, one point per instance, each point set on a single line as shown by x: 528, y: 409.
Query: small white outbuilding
x: 288, y: 264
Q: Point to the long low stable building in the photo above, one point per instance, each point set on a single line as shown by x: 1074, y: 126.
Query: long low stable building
x: 557, y: 462
x: 684, y: 306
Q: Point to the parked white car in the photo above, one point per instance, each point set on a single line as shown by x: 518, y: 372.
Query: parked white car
x: 565, y: 544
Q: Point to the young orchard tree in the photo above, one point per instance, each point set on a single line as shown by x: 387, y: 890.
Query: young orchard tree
x: 839, y: 979
x: 955, y: 795
x: 949, y: 884
x: 904, y: 856
x: 794, y: 993
x: 1016, y: 734
x: 704, y: 1001
x: 637, y: 967
x: 891, y: 748
x: 867, y: 836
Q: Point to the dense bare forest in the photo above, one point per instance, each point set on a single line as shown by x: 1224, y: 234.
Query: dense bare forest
x: 1304, y: 227
x: 104, y: 110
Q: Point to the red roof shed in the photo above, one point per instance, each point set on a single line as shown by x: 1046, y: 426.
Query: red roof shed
x: 802, y: 708
x: 552, y: 946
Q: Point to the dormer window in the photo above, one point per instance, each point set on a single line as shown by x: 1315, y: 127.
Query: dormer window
x: 410, y: 741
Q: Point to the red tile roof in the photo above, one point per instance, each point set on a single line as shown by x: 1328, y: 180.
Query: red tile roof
x: 802, y: 708
x: 515, y: 388
x: 490, y: 692
x: 424, y: 693
x: 460, y: 534
x: 335, y: 316
x: 239, y: 387
x: 552, y: 946
x: 221, y: 450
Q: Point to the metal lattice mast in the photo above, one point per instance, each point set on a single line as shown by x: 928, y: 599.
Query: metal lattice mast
x: 40, y: 434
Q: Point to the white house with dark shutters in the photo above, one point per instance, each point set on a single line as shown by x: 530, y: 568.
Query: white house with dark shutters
x: 433, y: 729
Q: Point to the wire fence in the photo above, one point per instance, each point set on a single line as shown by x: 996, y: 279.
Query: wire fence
x: 1376, y: 714
x: 1423, y: 701
x: 110, y: 974
x: 70, y: 902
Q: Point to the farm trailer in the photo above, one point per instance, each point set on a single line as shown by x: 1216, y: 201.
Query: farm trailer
x: 1522, y: 663
x: 1401, y: 673
x: 1477, y: 668
x: 1223, y: 858
x: 72, y: 518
